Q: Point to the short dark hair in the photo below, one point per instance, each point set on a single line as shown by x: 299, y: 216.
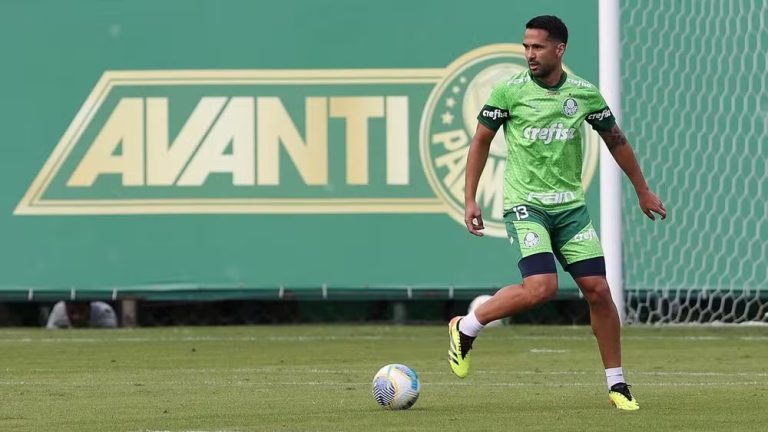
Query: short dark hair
x: 552, y: 24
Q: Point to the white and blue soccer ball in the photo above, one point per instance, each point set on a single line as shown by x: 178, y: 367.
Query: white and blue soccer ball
x: 396, y: 387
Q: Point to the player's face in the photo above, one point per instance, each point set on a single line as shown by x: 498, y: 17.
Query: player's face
x: 543, y: 54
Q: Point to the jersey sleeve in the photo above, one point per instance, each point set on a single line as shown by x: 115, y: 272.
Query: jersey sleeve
x: 495, y: 112
x: 600, y: 116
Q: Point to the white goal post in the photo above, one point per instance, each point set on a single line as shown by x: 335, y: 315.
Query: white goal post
x: 610, y: 174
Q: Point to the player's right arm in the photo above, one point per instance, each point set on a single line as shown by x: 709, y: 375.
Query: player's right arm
x: 491, y: 117
x: 478, y: 155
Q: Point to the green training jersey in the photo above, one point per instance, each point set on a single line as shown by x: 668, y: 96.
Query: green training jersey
x: 542, y: 127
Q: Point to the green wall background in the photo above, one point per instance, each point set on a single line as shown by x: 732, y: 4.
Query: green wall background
x: 56, y: 51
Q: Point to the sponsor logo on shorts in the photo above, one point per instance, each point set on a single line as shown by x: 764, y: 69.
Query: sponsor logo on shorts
x: 586, y: 235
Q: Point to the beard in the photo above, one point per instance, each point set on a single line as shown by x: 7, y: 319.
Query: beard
x: 542, y: 70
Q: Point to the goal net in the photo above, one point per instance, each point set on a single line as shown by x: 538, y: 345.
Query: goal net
x: 693, y: 76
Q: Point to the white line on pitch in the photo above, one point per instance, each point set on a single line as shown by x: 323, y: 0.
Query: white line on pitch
x: 353, y: 338
x: 348, y: 371
x: 366, y: 383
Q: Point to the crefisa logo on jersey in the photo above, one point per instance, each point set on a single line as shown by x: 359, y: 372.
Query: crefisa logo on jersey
x: 284, y: 142
x: 604, y: 114
x: 495, y: 114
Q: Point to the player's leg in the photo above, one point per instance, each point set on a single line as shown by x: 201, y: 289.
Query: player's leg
x: 605, y: 325
x: 602, y: 312
x: 528, y: 232
x: 530, y: 236
x: 535, y: 290
x: 462, y: 331
x: 578, y: 248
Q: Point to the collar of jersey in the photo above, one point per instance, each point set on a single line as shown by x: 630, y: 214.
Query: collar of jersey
x: 546, y: 87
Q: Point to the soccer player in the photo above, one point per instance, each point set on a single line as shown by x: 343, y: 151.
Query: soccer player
x: 542, y: 110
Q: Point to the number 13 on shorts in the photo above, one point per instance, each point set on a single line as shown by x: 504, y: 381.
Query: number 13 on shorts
x: 521, y: 212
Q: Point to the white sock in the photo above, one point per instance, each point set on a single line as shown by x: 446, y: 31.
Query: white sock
x: 469, y: 325
x: 614, y: 376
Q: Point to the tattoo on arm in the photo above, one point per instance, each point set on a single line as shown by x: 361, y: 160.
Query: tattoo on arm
x: 614, y: 138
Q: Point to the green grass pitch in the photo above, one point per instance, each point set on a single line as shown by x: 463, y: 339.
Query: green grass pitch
x: 318, y: 378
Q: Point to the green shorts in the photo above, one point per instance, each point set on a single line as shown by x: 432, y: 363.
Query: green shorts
x: 568, y: 234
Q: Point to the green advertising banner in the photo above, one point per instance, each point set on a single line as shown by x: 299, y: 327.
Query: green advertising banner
x: 160, y: 147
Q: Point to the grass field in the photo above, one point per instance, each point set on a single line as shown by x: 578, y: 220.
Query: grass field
x: 318, y: 378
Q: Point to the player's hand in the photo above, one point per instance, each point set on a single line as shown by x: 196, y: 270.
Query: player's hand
x: 651, y: 204
x: 473, y: 219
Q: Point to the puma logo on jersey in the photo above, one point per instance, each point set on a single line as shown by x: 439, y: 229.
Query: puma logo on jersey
x: 556, y: 132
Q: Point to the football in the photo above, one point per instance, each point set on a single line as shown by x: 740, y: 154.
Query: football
x: 396, y: 387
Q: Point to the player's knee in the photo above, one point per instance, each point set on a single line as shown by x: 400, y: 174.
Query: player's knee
x: 595, y: 289
x: 547, y: 291
x: 540, y: 288
x: 539, y: 277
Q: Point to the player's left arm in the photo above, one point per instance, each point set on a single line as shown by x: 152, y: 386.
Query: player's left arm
x: 622, y: 152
